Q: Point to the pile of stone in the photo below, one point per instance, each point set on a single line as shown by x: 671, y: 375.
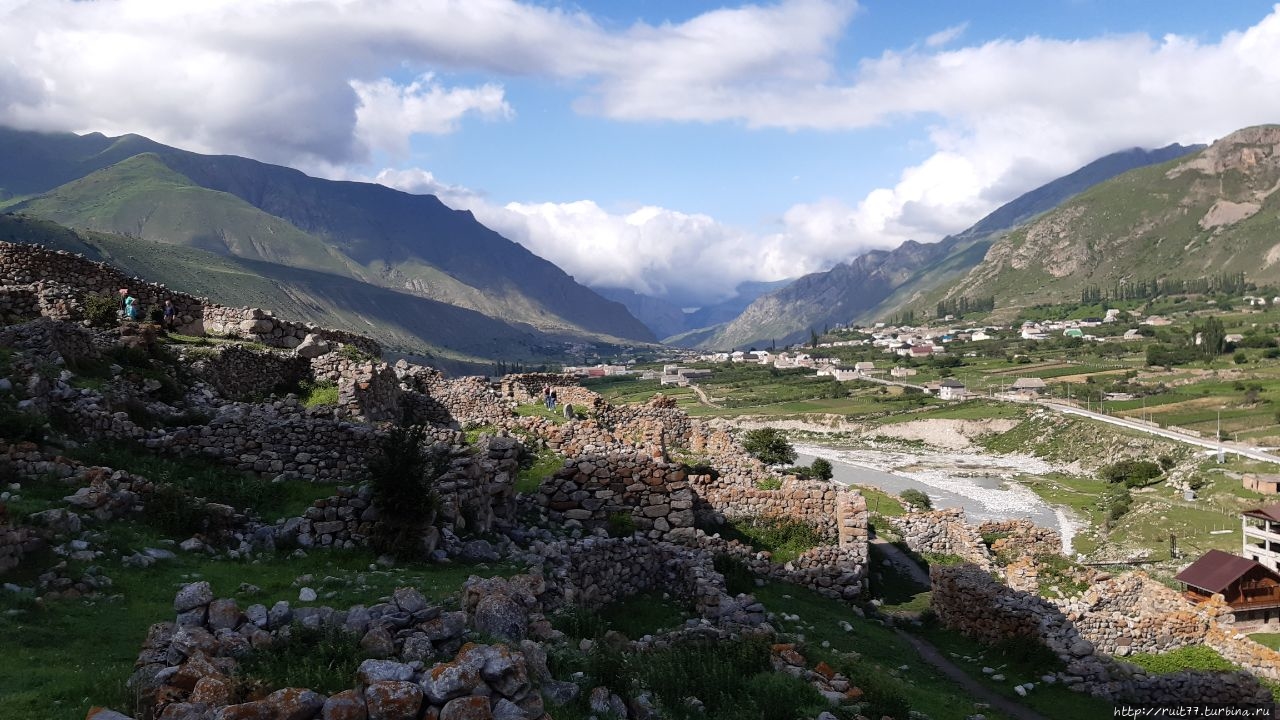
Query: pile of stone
x: 416, y: 661
x: 836, y: 688
x: 1017, y: 537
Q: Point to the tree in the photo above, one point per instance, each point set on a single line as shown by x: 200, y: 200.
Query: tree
x: 402, y: 475
x: 1213, y: 337
x: 770, y: 446
x: 821, y: 469
x: 813, y: 338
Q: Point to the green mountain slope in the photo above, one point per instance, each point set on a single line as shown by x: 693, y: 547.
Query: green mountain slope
x: 461, y: 339
x: 880, y: 283
x: 242, y: 208
x: 1214, y: 212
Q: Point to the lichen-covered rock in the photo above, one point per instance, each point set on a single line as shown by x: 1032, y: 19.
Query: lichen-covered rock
x: 192, y: 596
x: 393, y: 700
x: 346, y: 705
x: 473, y: 707
x: 294, y: 703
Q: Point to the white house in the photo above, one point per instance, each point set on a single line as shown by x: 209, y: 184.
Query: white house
x: 952, y: 389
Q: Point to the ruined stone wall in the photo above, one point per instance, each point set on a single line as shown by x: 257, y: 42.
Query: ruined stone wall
x: 18, y: 304
x: 46, y: 340
x: 943, y: 532
x: 14, y: 543
x: 367, y: 389
x: 467, y: 401
x: 594, y: 572
x: 525, y: 388
x: 967, y: 599
x: 62, y: 280
x: 1021, y: 538
x: 237, y: 372
x: 591, y: 489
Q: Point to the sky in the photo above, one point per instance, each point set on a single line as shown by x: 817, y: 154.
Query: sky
x: 672, y: 147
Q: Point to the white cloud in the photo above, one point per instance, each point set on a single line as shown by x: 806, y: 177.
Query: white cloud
x: 946, y: 35
x: 389, y: 114
x: 310, y: 84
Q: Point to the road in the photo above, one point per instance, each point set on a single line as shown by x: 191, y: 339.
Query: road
x: 1236, y: 448
x: 1230, y: 447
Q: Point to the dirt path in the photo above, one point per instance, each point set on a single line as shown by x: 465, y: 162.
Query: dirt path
x: 976, y: 690
x: 702, y: 396
x: 904, y: 564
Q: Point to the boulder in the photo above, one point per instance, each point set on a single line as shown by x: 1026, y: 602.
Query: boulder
x: 193, y: 596
x: 474, y: 707
x: 393, y: 700
x: 502, y: 617
x: 312, y: 347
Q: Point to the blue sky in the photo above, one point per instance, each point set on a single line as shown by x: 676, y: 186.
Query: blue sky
x: 674, y: 148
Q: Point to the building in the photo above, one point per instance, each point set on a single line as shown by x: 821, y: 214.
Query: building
x: 952, y: 389
x: 1266, y: 484
x: 865, y: 367
x: 1249, y: 587
x: 1261, y: 529
x: 899, y: 371
x: 1029, y: 386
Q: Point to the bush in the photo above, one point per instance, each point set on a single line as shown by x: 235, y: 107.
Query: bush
x: 101, y: 310
x: 353, y: 353
x: 784, y: 538
x: 1190, y: 657
x: 917, y: 498
x: 1240, y: 358
x: 769, y: 483
x: 402, y: 477
x: 320, y: 393
x: 770, y: 446
x: 621, y: 524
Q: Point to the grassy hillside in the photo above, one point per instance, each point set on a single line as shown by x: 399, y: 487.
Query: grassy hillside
x: 450, y: 336
x: 1212, y: 213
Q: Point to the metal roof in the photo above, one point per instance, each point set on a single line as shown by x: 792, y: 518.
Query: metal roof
x: 1269, y: 512
x: 1215, y: 571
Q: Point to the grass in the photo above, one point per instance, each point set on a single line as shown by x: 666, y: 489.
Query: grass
x: 1271, y: 640
x: 322, y: 659
x: 63, y: 656
x: 784, y: 538
x: 635, y: 617
x: 880, y: 502
x: 321, y: 393
x: 537, y: 468
x: 899, y: 593
x: 1190, y: 657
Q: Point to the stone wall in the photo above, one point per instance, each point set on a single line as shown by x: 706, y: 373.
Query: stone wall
x: 967, y: 599
x: 594, y: 572
x: 525, y: 388
x: 590, y: 489
x: 367, y: 389
x: 237, y: 372
x: 1019, y: 538
x: 944, y: 532
x: 18, y: 304
x: 416, y: 660
x: 464, y: 402
x: 45, y: 340
x: 14, y: 543
x: 61, y: 281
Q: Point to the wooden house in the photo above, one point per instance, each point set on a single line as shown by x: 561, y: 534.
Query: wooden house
x: 1249, y: 587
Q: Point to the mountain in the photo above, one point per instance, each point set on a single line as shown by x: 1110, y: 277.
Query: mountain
x: 1199, y: 216
x: 671, y: 322
x: 242, y: 209
x: 880, y: 283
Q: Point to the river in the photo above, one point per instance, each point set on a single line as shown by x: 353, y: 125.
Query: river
x: 983, y: 485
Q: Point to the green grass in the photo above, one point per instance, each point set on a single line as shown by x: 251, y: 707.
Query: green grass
x: 1191, y: 657
x: 1271, y: 640
x: 880, y: 502
x: 539, y: 410
x: 322, y: 393
x: 63, y: 656
x: 321, y: 659
x: 536, y: 469
x: 784, y: 538
x: 635, y: 617
x: 899, y: 593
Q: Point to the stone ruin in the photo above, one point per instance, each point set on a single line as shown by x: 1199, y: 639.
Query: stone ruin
x: 1114, y: 618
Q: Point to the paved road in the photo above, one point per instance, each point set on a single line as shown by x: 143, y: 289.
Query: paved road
x: 1236, y: 448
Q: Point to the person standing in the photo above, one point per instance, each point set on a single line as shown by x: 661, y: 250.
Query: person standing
x: 130, y: 307
x: 170, y: 315
x: 553, y: 399
x: 546, y: 396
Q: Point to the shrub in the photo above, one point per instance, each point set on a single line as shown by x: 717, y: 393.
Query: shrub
x: 770, y: 446
x: 174, y: 511
x: 321, y: 393
x: 402, y: 477
x: 1133, y: 473
x: 769, y: 483
x: 621, y: 524
x: 784, y: 538
x: 821, y: 469
x: 101, y: 310
x: 917, y: 498
x: 1240, y: 358
x: 1190, y: 657
x: 353, y: 353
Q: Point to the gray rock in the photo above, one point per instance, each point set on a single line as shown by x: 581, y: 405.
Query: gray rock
x: 280, y: 614
x: 418, y: 647
x: 372, y: 671
x: 504, y: 709
x: 193, y: 596
x: 409, y: 599
x: 448, y: 626
x: 224, y: 614
x: 502, y: 617
x: 479, y: 551
x: 257, y: 614
x: 559, y: 692
x: 378, y: 643
x: 307, y: 594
